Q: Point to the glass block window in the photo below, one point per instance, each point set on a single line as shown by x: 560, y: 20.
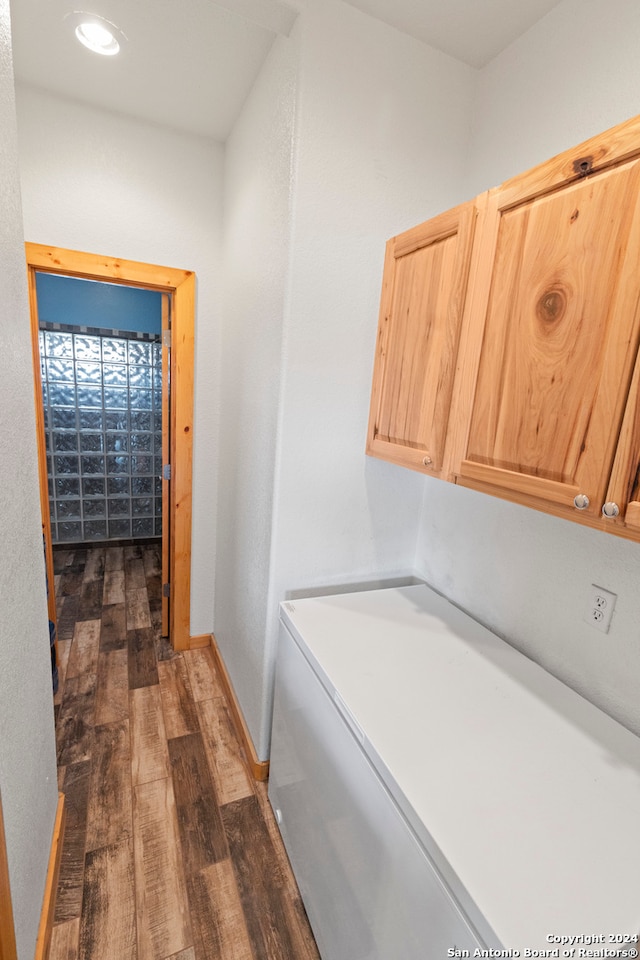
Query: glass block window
x: 103, y: 420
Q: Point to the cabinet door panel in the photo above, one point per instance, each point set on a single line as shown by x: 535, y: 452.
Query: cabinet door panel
x: 624, y: 486
x: 421, y: 308
x: 560, y: 334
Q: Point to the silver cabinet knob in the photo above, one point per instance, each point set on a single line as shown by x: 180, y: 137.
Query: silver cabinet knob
x: 581, y: 501
x: 427, y: 461
x: 610, y: 509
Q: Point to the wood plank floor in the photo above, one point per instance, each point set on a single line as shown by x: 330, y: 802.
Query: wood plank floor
x: 171, y: 851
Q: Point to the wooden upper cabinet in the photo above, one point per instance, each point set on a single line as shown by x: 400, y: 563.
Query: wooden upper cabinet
x: 553, y: 334
x: 508, y: 341
x: 423, y: 296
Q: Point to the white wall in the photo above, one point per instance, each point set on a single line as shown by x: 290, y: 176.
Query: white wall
x: 521, y: 572
x: 258, y: 157
x: 103, y: 183
x: 381, y: 139
x: 27, y: 751
x: 571, y: 76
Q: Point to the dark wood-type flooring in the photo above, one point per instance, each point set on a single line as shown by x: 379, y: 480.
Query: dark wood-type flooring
x: 170, y: 848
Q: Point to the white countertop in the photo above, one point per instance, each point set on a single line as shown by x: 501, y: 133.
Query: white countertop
x: 531, y: 793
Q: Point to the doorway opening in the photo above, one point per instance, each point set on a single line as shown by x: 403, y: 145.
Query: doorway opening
x: 102, y: 377
x: 177, y: 296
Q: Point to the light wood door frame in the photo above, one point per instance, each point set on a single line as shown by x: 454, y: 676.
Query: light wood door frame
x: 167, y: 430
x: 180, y: 286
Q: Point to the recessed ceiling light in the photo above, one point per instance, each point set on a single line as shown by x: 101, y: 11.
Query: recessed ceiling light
x: 97, y: 34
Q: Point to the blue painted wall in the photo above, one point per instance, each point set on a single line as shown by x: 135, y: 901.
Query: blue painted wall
x: 90, y: 303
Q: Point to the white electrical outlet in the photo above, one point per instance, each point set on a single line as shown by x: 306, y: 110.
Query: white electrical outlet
x: 600, y: 607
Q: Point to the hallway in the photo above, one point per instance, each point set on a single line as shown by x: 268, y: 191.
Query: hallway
x: 171, y: 851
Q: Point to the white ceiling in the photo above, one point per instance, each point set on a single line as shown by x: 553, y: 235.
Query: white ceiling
x: 473, y: 31
x: 189, y: 64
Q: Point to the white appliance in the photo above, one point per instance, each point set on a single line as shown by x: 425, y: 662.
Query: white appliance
x: 441, y: 795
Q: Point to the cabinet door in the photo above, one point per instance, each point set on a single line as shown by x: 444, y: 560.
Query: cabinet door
x: 559, y: 321
x: 423, y: 295
x: 624, y: 487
